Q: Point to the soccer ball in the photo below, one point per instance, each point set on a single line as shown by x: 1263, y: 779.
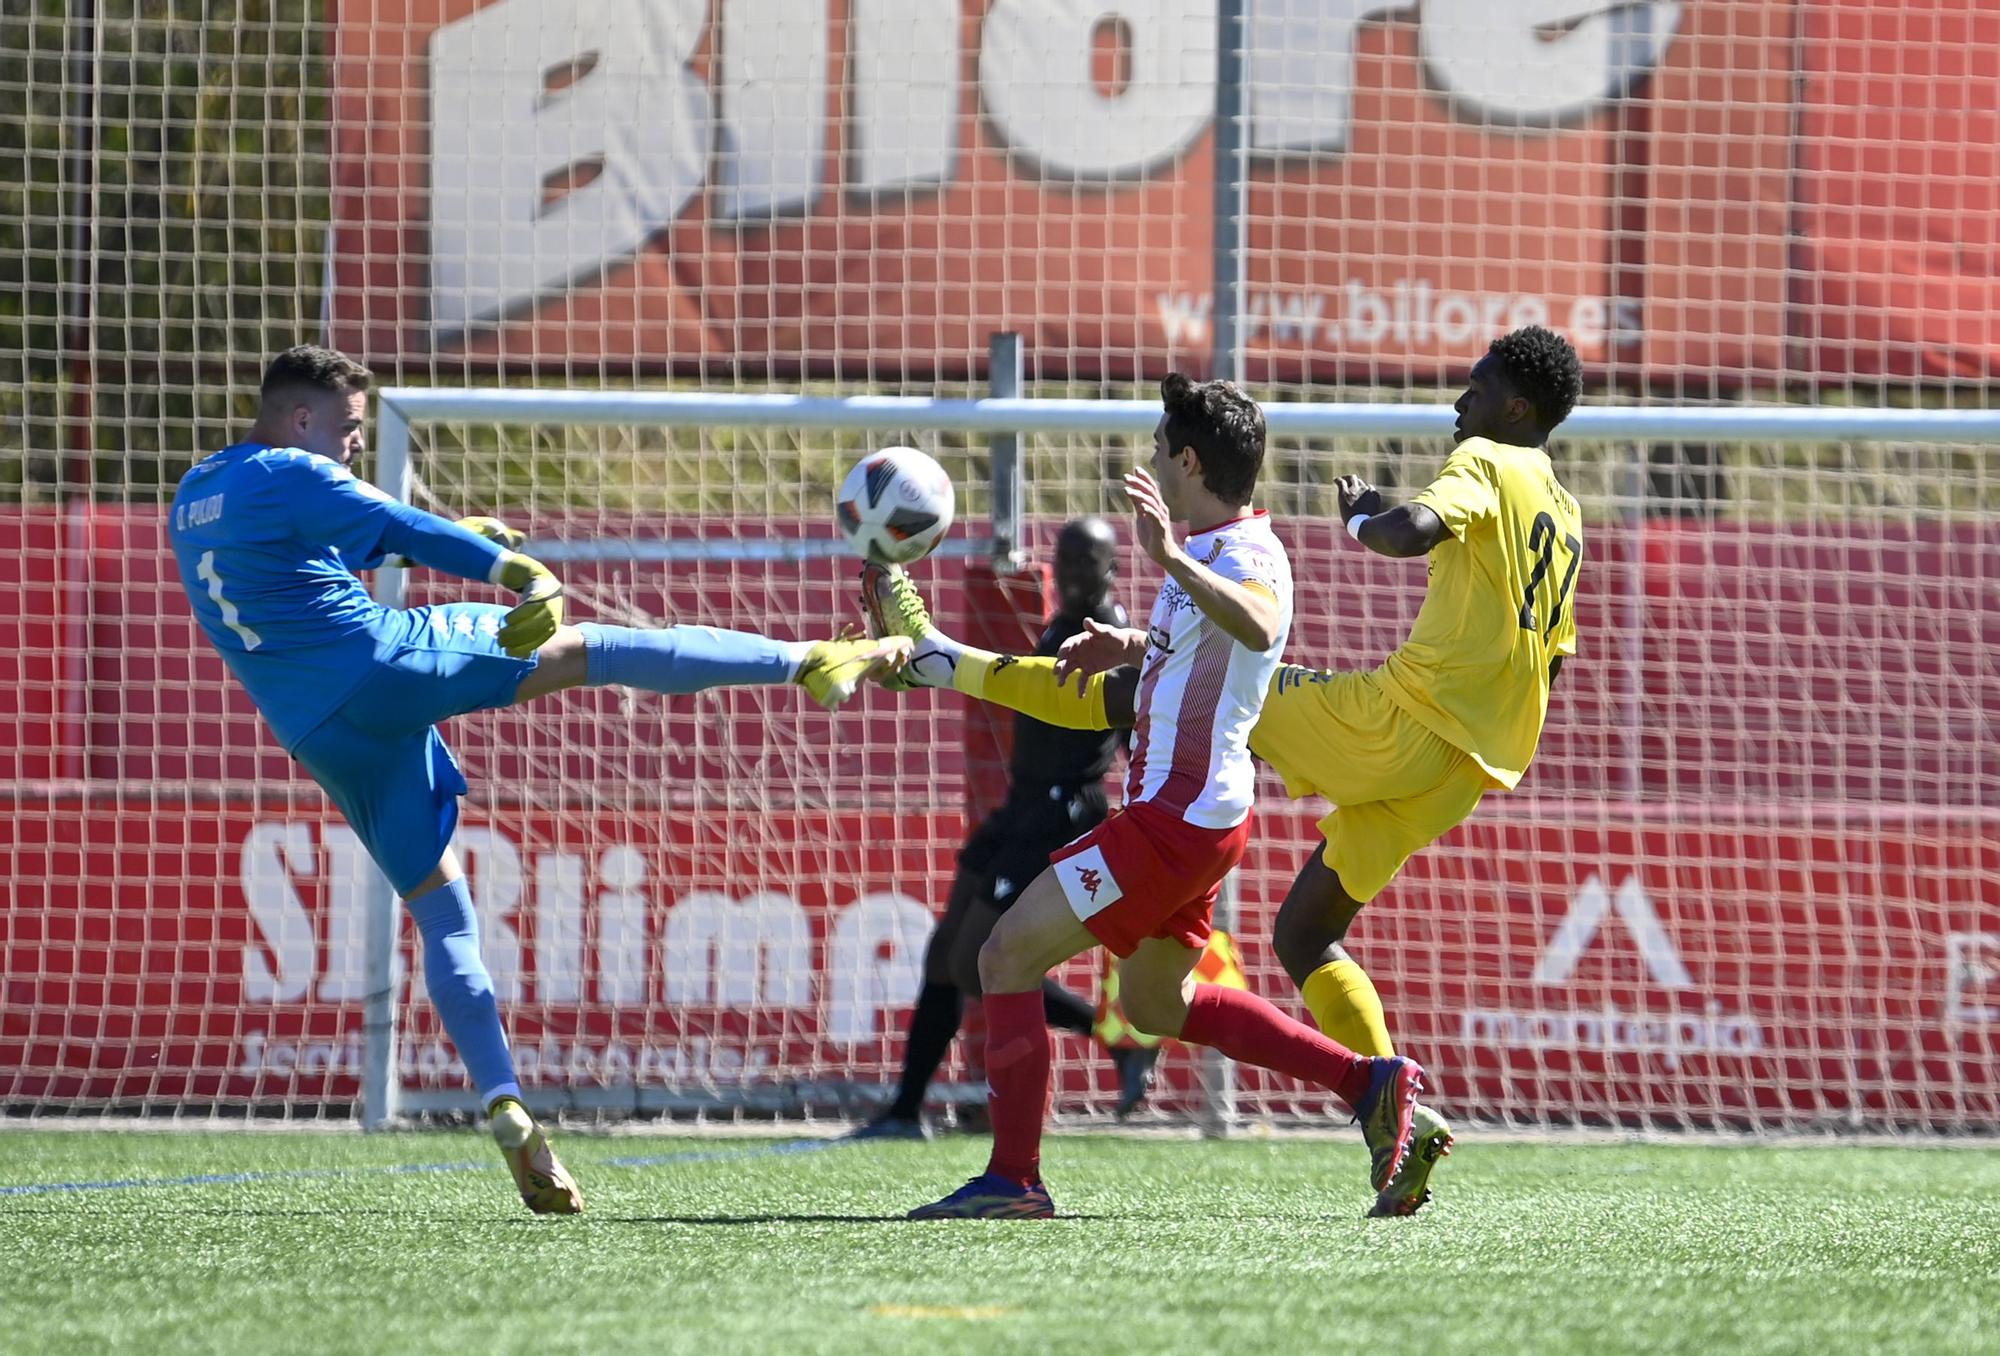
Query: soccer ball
x: 895, y: 505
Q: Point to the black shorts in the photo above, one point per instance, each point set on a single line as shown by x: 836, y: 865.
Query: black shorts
x: 1012, y: 846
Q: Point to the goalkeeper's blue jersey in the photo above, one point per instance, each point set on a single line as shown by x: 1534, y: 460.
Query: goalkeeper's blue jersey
x: 268, y: 540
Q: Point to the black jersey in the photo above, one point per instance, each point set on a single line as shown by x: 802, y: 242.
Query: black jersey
x: 1048, y: 755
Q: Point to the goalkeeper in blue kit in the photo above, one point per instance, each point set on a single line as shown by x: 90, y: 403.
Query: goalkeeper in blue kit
x: 268, y: 534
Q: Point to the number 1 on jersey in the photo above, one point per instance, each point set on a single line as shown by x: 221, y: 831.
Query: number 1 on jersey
x: 1542, y: 541
x: 230, y: 617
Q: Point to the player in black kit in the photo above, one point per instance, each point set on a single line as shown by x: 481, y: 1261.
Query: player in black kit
x: 1055, y: 793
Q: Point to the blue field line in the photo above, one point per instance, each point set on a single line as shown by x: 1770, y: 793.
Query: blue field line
x: 798, y: 1146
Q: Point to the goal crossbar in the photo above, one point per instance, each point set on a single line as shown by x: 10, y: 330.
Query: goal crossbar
x: 402, y: 406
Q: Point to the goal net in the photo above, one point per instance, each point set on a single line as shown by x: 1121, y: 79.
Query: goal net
x: 1757, y: 840
x: 1751, y: 880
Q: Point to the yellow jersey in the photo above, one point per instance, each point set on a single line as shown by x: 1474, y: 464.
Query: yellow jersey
x: 1500, y: 605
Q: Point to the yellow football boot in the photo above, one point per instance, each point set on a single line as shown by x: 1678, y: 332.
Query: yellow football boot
x: 546, y: 1186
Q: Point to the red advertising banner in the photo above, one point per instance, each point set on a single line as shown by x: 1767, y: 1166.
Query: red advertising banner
x: 1752, y: 869
x: 1726, y: 660
x: 1899, y: 187
x: 1708, y: 964
x: 195, y: 951
x: 872, y: 187
x: 1711, y: 180
x: 1716, y: 967
x: 40, y: 653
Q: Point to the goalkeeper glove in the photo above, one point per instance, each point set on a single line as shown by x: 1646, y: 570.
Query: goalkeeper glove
x: 536, y: 617
x: 492, y: 529
x: 495, y: 531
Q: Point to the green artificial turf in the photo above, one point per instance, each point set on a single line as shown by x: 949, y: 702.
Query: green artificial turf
x: 1166, y: 1246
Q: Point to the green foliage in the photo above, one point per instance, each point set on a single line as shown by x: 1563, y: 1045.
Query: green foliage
x: 203, y: 213
x: 35, y: 163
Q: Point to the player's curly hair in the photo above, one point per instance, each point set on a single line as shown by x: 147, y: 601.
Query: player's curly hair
x: 1541, y: 365
x: 313, y: 368
x: 1223, y: 426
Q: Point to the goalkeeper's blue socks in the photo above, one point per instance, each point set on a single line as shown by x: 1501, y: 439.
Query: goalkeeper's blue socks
x: 677, y: 660
x: 461, y: 990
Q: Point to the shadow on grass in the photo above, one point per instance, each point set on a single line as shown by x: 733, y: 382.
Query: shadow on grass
x: 795, y: 1219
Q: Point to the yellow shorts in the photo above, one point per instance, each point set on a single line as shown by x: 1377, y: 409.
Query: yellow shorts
x: 1396, y: 787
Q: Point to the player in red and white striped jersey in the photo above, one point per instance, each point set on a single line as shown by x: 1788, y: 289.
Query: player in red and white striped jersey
x: 1144, y: 882
x: 1199, y: 689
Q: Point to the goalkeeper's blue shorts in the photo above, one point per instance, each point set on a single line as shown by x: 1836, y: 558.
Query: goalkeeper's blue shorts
x: 380, y: 757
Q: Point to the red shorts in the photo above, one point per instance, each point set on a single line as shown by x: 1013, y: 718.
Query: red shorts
x: 1146, y: 872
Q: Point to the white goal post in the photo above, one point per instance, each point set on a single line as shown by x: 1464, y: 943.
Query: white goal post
x: 1672, y: 1003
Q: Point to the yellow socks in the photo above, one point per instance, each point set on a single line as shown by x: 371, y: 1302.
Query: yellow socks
x: 1342, y: 999
x: 1029, y: 686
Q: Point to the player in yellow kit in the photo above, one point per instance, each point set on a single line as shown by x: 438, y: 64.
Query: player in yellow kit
x: 1405, y: 751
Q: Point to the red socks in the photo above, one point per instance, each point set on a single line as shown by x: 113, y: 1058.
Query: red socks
x: 1251, y: 1031
x: 1019, y: 1055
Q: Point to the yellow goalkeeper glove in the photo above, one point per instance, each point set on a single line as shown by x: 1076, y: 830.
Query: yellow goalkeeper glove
x: 495, y: 531
x: 492, y: 529
x: 539, y: 613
